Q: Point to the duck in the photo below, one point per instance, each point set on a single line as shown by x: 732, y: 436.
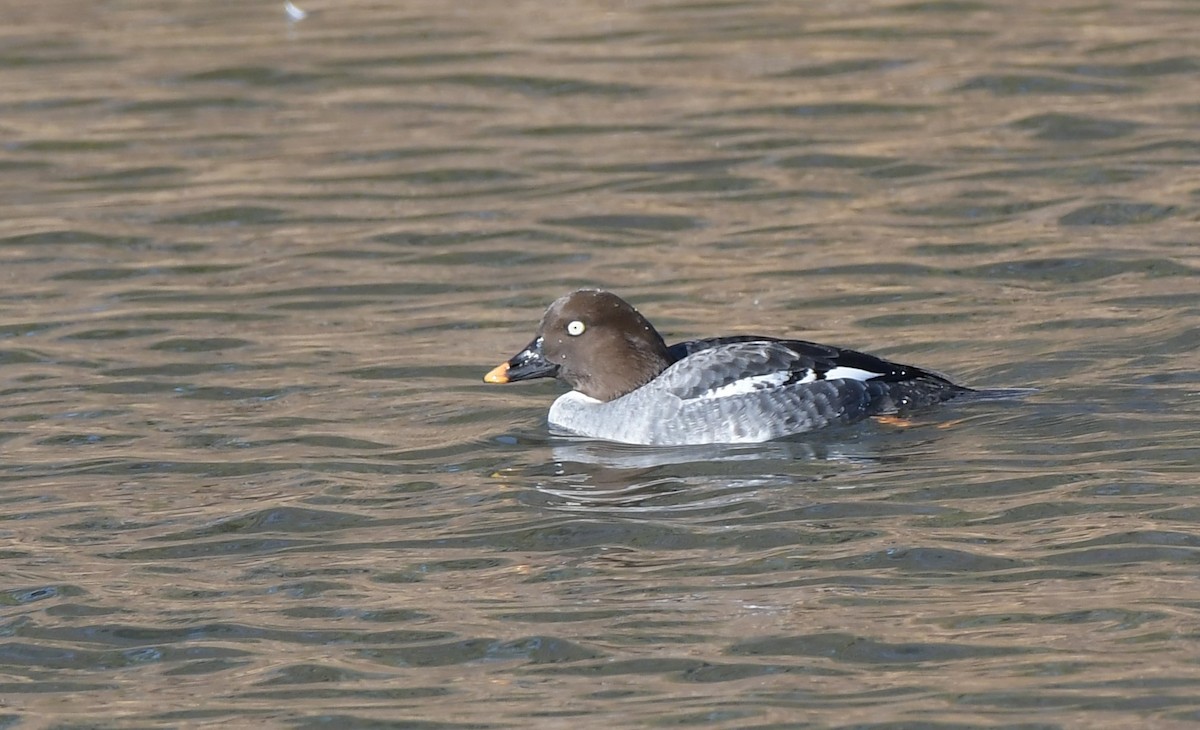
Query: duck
x: 628, y: 386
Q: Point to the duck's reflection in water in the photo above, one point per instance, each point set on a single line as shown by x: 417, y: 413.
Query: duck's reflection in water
x: 588, y: 475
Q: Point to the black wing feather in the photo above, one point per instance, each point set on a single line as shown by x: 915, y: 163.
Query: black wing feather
x: 807, y: 397
x: 804, y: 355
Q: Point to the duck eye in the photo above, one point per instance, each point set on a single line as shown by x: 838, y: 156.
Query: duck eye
x: 575, y: 328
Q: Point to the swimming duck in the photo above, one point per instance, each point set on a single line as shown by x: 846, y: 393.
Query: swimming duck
x: 628, y: 385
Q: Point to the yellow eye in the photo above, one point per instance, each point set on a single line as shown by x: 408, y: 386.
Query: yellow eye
x: 575, y: 328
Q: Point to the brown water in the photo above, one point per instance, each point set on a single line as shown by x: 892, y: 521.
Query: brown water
x: 252, y: 270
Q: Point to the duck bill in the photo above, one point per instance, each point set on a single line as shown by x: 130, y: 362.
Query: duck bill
x: 525, y: 365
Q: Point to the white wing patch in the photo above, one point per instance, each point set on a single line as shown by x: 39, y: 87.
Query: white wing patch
x: 753, y: 384
x: 756, y: 383
x: 844, y: 373
x: 809, y: 376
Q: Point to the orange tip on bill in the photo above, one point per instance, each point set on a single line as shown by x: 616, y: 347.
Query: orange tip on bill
x: 498, y: 374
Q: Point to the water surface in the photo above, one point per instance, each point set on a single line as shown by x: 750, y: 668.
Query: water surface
x: 252, y: 271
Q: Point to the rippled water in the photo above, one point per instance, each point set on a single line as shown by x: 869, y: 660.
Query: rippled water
x: 252, y: 270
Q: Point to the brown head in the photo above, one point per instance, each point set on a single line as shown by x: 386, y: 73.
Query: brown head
x: 595, y: 342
